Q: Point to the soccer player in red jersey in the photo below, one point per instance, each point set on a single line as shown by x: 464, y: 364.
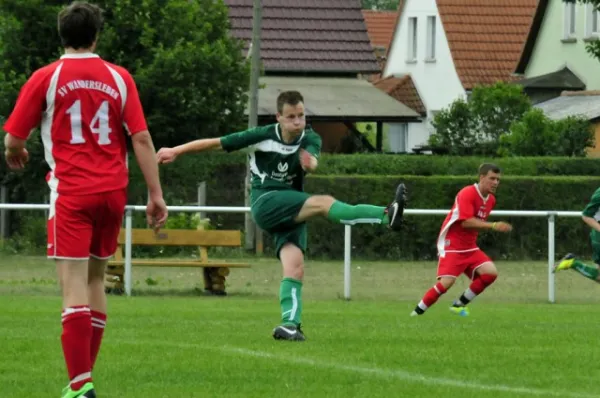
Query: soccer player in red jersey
x: 85, y: 106
x: 457, y: 243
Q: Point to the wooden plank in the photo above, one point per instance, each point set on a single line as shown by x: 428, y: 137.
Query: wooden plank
x: 163, y: 263
x: 183, y: 237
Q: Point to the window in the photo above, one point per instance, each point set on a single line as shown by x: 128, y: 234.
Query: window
x: 430, y: 38
x: 592, y: 26
x: 398, y: 137
x: 569, y: 22
x: 412, y: 39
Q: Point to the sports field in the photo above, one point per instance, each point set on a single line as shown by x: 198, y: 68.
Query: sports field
x: 170, y: 341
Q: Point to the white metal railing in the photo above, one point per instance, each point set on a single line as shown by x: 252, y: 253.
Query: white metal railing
x: 551, y: 215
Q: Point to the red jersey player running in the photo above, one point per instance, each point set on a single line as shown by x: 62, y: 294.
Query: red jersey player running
x: 85, y: 106
x: 457, y: 243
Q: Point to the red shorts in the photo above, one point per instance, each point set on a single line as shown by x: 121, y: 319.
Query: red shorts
x: 454, y: 264
x: 86, y: 225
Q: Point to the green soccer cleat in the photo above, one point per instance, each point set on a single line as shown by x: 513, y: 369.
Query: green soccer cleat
x: 460, y: 311
x: 87, y: 391
x: 565, y: 263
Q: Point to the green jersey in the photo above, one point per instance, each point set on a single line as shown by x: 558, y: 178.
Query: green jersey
x: 593, y: 207
x: 275, y: 164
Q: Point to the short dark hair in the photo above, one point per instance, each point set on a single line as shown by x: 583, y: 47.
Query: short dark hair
x: 485, y: 168
x: 288, y: 97
x: 79, y: 24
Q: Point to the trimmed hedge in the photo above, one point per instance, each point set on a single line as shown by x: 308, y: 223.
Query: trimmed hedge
x: 379, y: 164
x: 224, y: 174
x: 418, y: 239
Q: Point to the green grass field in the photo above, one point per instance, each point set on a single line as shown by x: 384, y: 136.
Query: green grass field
x: 170, y: 341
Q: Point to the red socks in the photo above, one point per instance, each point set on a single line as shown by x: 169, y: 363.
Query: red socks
x: 98, y: 325
x: 433, y: 294
x: 76, y: 342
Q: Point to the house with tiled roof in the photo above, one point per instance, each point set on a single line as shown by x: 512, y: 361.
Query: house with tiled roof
x: 380, y: 28
x: 447, y: 47
x: 322, y: 49
x: 554, y: 58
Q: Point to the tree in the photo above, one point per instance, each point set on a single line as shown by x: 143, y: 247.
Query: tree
x: 380, y: 4
x: 576, y: 134
x: 455, y: 130
x: 533, y: 135
x: 475, y: 127
x: 191, y: 73
x: 537, y: 135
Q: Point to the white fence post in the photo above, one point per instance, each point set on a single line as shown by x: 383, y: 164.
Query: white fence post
x: 3, y: 213
x: 128, y: 272
x: 551, y: 256
x: 347, y: 261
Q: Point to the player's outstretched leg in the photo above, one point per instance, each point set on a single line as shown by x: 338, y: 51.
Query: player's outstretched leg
x: 432, y: 295
x: 344, y: 213
x: 570, y: 262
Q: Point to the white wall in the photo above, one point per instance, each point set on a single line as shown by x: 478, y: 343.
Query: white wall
x: 551, y: 52
x: 436, y: 81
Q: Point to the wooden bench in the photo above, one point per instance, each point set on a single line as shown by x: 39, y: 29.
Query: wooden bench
x: 215, y: 272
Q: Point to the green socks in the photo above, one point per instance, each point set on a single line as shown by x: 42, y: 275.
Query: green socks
x: 586, y: 270
x: 290, y: 298
x: 344, y: 213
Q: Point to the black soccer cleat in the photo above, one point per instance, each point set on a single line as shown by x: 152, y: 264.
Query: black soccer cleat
x: 288, y: 332
x: 396, y: 209
x: 89, y: 394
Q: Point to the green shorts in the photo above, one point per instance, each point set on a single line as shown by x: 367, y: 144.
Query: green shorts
x: 595, y: 240
x: 275, y: 211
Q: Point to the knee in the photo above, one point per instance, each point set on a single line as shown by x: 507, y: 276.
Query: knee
x: 488, y: 279
x: 294, y: 270
x: 324, y: 202
x: 447, y: 283
x: 292, y: 260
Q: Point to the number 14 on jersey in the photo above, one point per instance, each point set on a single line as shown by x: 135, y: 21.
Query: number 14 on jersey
x: 99, y: 124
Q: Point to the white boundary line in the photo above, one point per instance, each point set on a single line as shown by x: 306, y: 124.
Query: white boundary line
x: 398, y: 374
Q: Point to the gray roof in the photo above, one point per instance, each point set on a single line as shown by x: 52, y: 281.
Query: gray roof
x: 572, y: 105
x: 334, y: 98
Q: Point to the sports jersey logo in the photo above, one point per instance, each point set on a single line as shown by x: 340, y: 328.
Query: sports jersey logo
x: 482, y: 213
x: 282, y: 167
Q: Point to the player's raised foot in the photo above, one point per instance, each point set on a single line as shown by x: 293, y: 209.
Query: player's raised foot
x: 396, y: 209
x: 460, y: 311
x: 565, y: 263
x: 288, y: 332
x: 87, y: 391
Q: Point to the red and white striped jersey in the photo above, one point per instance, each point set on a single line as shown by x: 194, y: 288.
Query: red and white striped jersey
x: 85, y: 106
x: 468, y: 203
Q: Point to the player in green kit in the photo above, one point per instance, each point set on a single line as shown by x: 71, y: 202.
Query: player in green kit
x: 280, y: 155
x: 590, y: 216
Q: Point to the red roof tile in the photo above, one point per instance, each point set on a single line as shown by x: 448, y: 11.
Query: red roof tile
x: 307, y: 35
x: 486, y: 38
x: 380, y: 26
x: 403, y: 89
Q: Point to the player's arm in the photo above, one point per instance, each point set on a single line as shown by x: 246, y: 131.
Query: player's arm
x: 590, y: 210
x: 15, y: 152
x: 24, y: 118
x: 230, y: 142
x: 145, y: 154
x: 205, y: 144
x: 310, y: 153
